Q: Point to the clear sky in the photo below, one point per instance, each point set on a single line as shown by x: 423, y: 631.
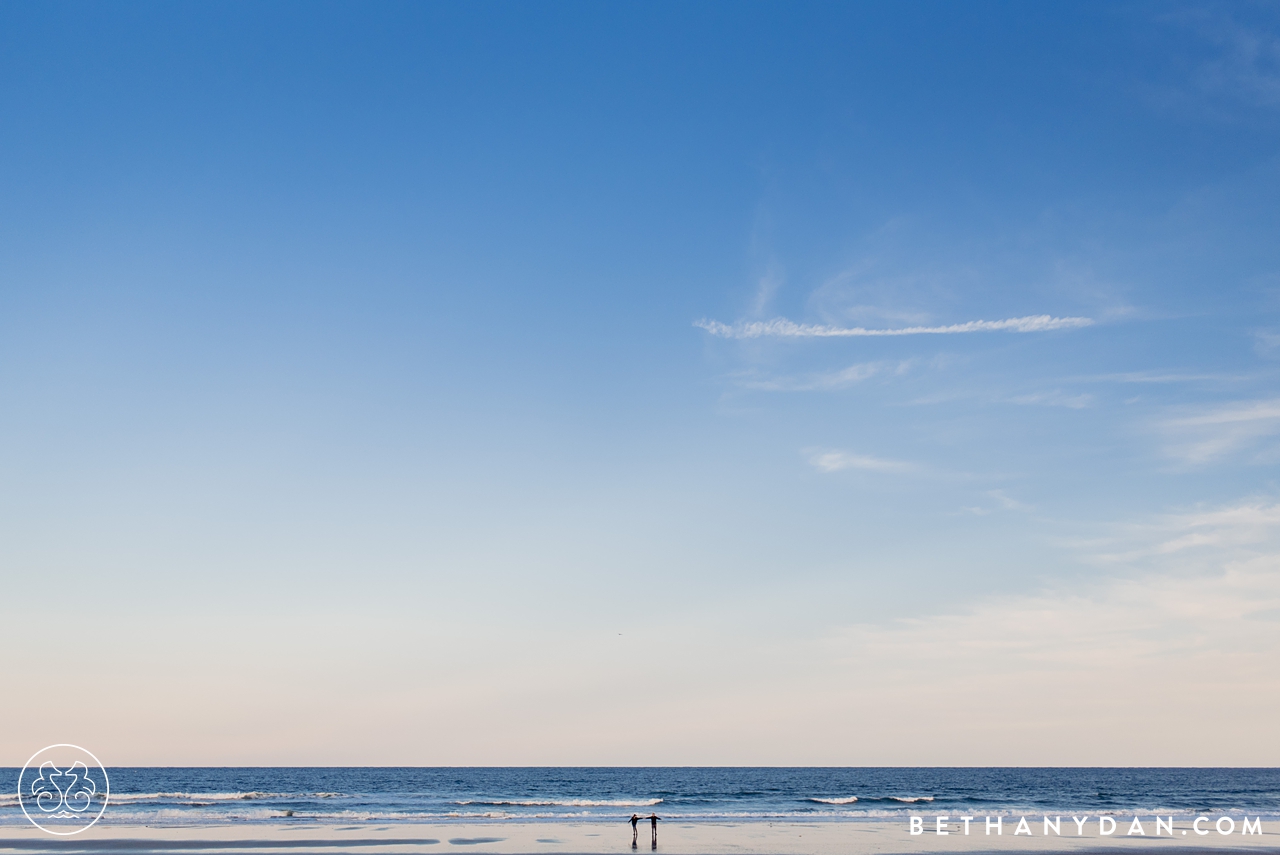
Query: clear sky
x: 486, y: 383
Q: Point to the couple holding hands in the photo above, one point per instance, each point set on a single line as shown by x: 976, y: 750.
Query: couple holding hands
x: 653, y: 822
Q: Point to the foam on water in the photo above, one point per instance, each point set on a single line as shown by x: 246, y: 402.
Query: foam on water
x: 127, y: 798
x: 569, y: 803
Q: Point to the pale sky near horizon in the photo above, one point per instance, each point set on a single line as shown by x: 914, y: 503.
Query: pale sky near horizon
x: 662, y: 383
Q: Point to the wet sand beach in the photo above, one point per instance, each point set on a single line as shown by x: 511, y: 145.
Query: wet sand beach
x: 675, y: 838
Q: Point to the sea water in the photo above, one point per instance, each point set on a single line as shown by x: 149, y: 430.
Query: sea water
x: 313, y: 795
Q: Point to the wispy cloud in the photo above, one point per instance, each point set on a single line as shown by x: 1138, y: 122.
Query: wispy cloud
x: 999, y: 501
x: 1266, y: 342
x: 830, y: 380
x: 784, y: 328
x: 1214, y: 433
x: 1075, y: 650
x: 767, y: 287
x: 1154, y: 377
x: 1248, y: 526
x: 1006, y: 502
x: 1242, y: 69
x: 1055, y: 398
x: 1248, y: 66
x: 835, y: 461
x: 1195, y: 624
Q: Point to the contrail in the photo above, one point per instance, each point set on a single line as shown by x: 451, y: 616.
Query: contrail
x: 783, y: 328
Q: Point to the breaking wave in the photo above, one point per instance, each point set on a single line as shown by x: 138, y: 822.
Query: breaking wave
x: 566, y: 803
x: 129, y: 798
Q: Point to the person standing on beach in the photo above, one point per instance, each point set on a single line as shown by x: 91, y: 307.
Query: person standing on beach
x: 634, y: 819
x: 653, y: 823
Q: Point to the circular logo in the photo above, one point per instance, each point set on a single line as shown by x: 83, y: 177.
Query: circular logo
x: 63, y: 789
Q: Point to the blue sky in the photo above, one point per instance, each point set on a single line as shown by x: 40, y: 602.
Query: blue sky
x: 393, y: 366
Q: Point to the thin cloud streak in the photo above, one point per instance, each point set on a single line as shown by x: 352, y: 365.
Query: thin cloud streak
x: 830, y: 381
x: 1054, y: 399
x: 1153, y: 377
x: 836, y: 461
x: 784, y: 328
x: 1246, y: 526
x: 1201, y: 627
x: 1212, y: 434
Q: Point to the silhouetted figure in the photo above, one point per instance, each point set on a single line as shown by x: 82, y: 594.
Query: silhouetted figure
x: 635, y: 818
x: 653, y: 823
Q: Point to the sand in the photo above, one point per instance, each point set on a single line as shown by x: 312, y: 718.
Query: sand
x: 675, y: 838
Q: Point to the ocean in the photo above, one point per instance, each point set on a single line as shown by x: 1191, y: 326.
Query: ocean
x: 314, y: 795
